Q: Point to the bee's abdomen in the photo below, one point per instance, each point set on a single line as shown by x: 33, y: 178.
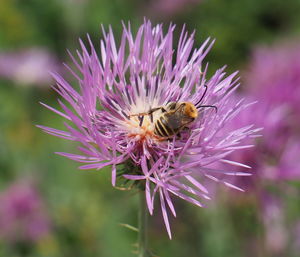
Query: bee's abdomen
x: 162, y: 129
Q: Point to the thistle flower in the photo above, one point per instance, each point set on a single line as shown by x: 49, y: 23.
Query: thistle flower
x: 274, y: 73
x: 22, y: 214
x: 29, y: 66
x: 169, y: 8
x: 274, y: 222
x: 110, y: 114
x: 273, y: 79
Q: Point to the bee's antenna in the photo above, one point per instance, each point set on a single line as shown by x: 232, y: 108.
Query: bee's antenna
x: 205, y: 106
x: 201, y: 96
x: 208, y: 106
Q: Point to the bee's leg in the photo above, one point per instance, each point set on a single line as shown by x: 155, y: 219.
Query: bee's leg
x: 150, y: 113
x: 154, y: 110
x: 141, y: 119
x: 151, y: 117
x: 183, y: 129
x: 179, y: 135
x: 139, y: 114
x: 146, y: 113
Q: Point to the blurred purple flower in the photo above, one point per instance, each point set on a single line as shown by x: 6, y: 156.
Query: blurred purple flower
x: 296, y: 238
x: 29, y: 66
x: 152, y: 74
x: 22, y: 214
x: 273, y: 79
x: 168, y: 8
x: 275, y: 230
x: 274, y: 75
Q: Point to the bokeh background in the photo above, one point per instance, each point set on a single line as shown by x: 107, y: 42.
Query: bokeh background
x: 48, y: 208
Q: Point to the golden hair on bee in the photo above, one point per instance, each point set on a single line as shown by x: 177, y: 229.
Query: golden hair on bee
x: 190, y: 110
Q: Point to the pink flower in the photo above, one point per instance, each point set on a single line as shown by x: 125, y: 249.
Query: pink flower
x: 116, y: 114
x: 168, y: 8
x: 273, y: 79
x: 22, y: 214
x: 29, y: 66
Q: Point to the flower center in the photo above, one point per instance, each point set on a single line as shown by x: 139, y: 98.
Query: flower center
x: 141, y: 127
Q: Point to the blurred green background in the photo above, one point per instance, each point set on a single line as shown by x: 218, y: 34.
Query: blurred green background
x: 79, y: 211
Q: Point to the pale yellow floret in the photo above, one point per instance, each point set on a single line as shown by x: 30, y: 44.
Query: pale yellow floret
x: 144, y: 132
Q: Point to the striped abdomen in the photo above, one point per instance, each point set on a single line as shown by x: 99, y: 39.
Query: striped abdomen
x: 174, y: 118
x: 162, y: 129
x: 166, y: 125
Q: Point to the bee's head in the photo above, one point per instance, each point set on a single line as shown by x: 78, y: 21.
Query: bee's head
x: 190, y: 110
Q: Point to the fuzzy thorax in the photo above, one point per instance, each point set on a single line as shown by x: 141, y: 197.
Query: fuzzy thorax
x: 190, y: 110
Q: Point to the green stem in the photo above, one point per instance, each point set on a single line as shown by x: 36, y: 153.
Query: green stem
x: 143, y: 227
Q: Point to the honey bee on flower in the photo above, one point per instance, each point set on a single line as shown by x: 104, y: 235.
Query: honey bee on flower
x: 173, y: 118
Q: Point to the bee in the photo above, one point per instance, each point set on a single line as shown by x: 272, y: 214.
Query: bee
x: 174, y: 117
